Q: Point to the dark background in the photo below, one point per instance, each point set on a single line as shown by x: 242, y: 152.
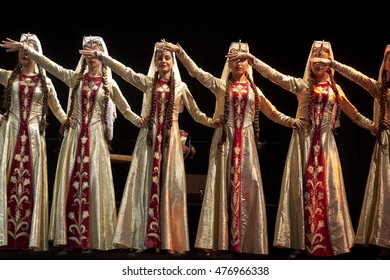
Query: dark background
x: 280, y: 34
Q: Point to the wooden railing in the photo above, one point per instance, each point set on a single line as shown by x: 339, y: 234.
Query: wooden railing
x: 119, y: 158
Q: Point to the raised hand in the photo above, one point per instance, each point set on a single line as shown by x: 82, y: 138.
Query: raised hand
x: 233, y: 56
x: 166, y: 46
x: 11, y: 45
x: 88, y: 53
x: 325, y: 61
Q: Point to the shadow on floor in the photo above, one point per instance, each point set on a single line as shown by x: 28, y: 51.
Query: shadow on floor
x: 357, y: 253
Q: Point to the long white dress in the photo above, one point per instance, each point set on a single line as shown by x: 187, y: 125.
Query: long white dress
x: 83, y: 212
x: 374, y: 221
x: 153, y: 210
x: 313, y: 213
x: 233, y: 215
x: 24, y: 201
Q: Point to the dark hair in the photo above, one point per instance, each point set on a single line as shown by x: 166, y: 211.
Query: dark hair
x: 106, y: 89
x: 256, y: 122
x: 382, y: 104
x: 66, y: 124
x: 333, y: 85
x: 43, y: 84
x: 311, y: 96
x: 169, y: 112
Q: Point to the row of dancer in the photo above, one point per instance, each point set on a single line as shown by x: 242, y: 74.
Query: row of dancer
x: 83, y: 214
x: 153, y: 207
x: 313, y: 215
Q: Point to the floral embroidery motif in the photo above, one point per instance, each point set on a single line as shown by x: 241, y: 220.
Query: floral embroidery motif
x: 316, y: 231
x: 240, y: 92
x: 152, y: 239
x: 20, y: 190
x: 78, y: 197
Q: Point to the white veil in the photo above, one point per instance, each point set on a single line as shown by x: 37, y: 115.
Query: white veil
x: 316, y: 46
x: 316, y: 50
x: 236, y: 46
x: 376, y: 108
x: 33, y: 41
x: 146, y: 103
x: 111, y: 109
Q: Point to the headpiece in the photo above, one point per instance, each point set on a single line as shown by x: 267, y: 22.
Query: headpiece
x: 152, y: 68
x: 318, y: 49
x: 88, y: 42
x: 236, y: 47
x: 151, y: 72
x: 376, y: 108
x: 33, y: 41
x: 387, y: 50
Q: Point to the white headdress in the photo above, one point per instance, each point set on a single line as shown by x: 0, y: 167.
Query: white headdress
x: 319, y: 48
x: 316, y: 49
x: 111, y: 109
x: 377, y: 100
x: 33, y: 41
x: 152, y: 68
x: 151, y: 72
x: 387, y: 49
x: 235, y: 47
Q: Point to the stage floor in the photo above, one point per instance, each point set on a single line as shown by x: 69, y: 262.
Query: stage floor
x: 357, y: 253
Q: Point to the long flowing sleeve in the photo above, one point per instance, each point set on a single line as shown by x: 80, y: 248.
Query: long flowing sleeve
x: 297, y: 86
x: 205, y: 78
x: 272, y: 113
x: 289, y: 83
x: 369, y: 84
x: 4, y: 76
x: 350, y: 110
x: 215, y: 85
x: 54, y: 103
x: 65, y: 75
x: 122, y: 104
x: 138, y: 80
x: 194, y: 110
